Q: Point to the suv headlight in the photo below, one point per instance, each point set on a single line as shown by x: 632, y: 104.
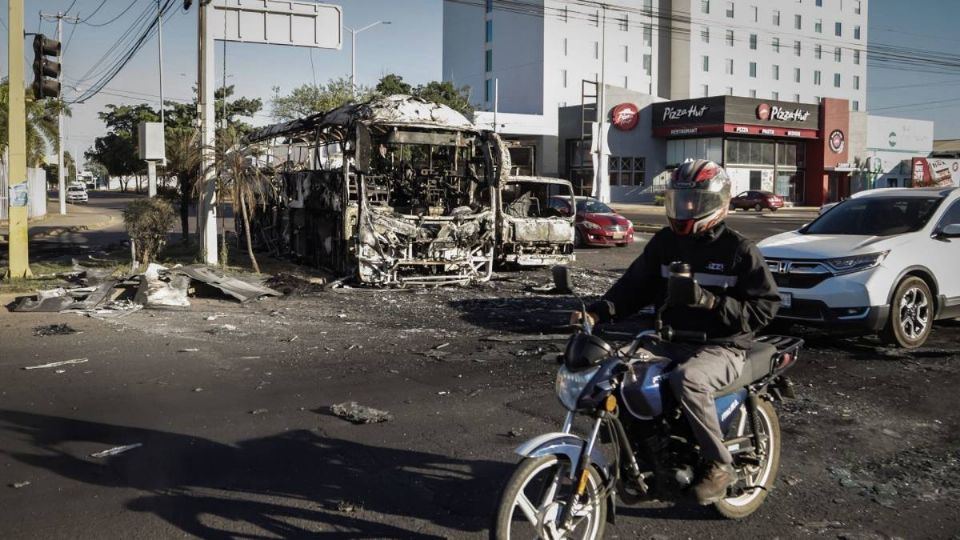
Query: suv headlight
x: 855, y: 263
x: 570, y: 385
x: 590, y: 225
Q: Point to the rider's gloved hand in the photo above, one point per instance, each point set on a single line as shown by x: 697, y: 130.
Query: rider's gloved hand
x: 577, y: 316
x: 685, y: 291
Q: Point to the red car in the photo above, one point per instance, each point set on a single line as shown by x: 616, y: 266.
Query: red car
x: 596, y: 223
x: 757, y: 200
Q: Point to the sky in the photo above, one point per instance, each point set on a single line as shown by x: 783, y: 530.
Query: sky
x: 412, y: 47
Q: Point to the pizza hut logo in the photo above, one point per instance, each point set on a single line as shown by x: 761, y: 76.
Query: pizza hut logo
x: 625, y: 116
x: 763, y: 111
x: 836, y: 141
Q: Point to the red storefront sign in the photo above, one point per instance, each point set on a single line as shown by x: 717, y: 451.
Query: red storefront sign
x: 625, y: 116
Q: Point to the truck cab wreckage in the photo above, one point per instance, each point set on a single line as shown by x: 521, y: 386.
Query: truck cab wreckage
x: 397, y: 190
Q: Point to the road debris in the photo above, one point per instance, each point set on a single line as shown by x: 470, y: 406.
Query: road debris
x: 348, y: 507
x: 54, y: 330
x: 191, y: 349
x: 519, y: 338
x: 18, y: 485
x: 115, y: 450
x: 58, y: 364
x: 360, y: 414
x: 259, y: 411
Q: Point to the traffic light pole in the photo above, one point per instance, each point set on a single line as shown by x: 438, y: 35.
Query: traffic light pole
x: 18, y: 244
x: 61, y: 172
x: 207, y: 215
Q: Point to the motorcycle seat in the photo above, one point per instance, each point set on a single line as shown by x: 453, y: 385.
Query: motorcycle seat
x: 758, y: 364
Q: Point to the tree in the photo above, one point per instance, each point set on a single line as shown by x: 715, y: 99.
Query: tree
x: 447, y: 94
x: 310, y: 99
x: 391, y: 84
x: 184, y: 160
x: 231, y: 110
x: 41, y: 124
x: 118, y: 155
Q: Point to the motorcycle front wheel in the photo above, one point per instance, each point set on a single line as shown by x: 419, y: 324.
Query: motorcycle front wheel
x: 536, y: 494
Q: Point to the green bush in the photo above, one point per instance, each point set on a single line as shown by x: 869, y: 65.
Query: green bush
x: 658, y: 200
x: 147, y: 222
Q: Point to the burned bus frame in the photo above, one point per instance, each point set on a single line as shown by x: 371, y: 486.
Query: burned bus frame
x: 394, y: 191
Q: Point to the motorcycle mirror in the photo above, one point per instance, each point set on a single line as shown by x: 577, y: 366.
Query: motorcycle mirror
x: 562, y: 281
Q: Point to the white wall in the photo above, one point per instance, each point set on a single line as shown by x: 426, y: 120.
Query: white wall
x: 893, y: 140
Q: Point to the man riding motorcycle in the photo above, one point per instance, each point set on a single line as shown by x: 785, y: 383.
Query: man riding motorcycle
x: 729, y: 296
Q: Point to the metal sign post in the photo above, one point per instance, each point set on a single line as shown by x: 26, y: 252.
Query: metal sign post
x: 274, y: 22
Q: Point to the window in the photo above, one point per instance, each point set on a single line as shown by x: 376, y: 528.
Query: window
x: 705, y: 6
x: 706, y: 90
x: 776, y: 45
x: 818, y: 26
x: 798, y: 22
x: 856, y: 57
x: 647, y: 4
x: 750, y: 152
x: 816, y: 77
x: 626, y: 171
x: 753, y: 93
x: 753, y: 41
x: 838, y: 29
x: 730, y: 38
x: 817, y: 51
x: 729, y: 10
x: 625, y: 82
x: 856, y: 6
x: 756, y: 13
x: 796, y: 48
x: 796, y: 75
x: 488, y: 90
x: 753, y: 69
x: 776, y: 72
x: 729, y: 90
x: 623, y: 23
x: 489, y: 36
x: 489, y: 5
x: 596, y: 49
x: 838, y: 55
x: 775, y: 95
x: 564, y: 46
x: 705, y: 35
x: 594, y: 18
x: 729, y: 66
x: 647, y: 63
x: 776, y: 17
x: 680, y: 149
x: 647, y: 35
x: 856, y: 82
x: 706, y: 63
x: 796, y: 98
x: 836, y: 80
x: 488, y: 61
x: 563, y: 77
x: 819, y: 3
x: 856, y: 32
x: 626, y: 53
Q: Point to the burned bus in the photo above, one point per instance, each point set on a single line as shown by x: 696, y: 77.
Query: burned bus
x: 392, y: 191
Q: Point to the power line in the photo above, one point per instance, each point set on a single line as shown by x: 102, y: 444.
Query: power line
x: 121, y: 14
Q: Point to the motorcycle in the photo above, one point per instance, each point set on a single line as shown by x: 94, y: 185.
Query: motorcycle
x: 566, y: 486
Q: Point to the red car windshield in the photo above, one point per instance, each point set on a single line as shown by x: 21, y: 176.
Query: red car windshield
x: 593, y: 206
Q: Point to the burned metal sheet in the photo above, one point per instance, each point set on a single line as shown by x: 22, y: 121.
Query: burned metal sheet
x: 534, y: 231
x: 49, y: 301
x: 241, y: 290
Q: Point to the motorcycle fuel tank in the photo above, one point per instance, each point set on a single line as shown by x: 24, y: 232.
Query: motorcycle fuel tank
x: 641, y: 392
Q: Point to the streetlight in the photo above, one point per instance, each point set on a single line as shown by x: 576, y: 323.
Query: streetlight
x: 353, y: 49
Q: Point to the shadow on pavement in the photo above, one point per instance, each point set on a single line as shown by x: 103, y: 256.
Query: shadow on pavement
x: 201, y: 486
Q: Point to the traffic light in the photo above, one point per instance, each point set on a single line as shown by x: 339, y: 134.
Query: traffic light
x: 46, y: 70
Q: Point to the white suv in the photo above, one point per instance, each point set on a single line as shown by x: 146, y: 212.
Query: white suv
x: 886, y: 261
x: 76, y: 193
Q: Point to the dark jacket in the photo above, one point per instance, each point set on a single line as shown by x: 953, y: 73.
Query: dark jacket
x: 724, y: 262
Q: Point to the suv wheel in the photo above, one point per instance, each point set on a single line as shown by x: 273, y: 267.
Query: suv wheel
x: 911, y: 314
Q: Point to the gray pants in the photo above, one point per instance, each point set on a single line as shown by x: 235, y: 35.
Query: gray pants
x: 702, y: 370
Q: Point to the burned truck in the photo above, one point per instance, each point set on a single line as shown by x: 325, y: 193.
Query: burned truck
x: 393, y: 191
x: 532, y: 228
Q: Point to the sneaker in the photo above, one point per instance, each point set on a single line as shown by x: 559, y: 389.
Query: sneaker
x: 713, y: 485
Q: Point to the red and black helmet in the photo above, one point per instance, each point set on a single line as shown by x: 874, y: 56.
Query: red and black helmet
x: 698, y: 197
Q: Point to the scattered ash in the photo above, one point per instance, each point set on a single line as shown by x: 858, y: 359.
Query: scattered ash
x: 292, y: 285
x: 53, y: 330
x: 917, y: 473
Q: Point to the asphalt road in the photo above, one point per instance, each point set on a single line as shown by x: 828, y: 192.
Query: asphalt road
x: 230, y: 404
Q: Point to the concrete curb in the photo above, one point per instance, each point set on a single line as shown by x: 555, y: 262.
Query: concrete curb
x: 67, y: 229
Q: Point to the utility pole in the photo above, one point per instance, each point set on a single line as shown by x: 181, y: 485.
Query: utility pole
x: 61, y: 173
x: 18, y: 245
x: 160, y: 57
x: 602, y: 180
x: 207, y: 216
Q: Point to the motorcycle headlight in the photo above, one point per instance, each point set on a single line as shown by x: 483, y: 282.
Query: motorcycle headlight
x: 590, y: 225
x: 855, y: 263
x: 570, y: 385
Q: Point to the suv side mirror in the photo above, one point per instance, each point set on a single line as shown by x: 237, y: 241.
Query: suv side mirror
x: 950, y: 231
x: 562, y: 281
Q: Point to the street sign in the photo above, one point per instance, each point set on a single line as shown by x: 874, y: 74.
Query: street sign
x: 278, y: 23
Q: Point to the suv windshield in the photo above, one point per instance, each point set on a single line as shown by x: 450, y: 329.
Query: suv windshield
x: 592, y: 206
x: 876, y: 216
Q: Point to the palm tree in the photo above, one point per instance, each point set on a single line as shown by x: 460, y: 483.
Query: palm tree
x: 42, y: 124
x: 185, y: 161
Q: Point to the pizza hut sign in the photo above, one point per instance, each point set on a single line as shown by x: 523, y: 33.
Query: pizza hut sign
x: 774, y: 112
x: 679, y: 113
x: 625, y: 116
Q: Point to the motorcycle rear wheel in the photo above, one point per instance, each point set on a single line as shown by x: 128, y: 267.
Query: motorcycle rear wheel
x: 763, y: 475
x: 517, y: 517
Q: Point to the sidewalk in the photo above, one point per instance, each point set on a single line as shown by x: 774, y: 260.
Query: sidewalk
x: 78, y: 218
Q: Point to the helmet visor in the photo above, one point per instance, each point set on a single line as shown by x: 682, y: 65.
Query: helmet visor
x: 691, y: 203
